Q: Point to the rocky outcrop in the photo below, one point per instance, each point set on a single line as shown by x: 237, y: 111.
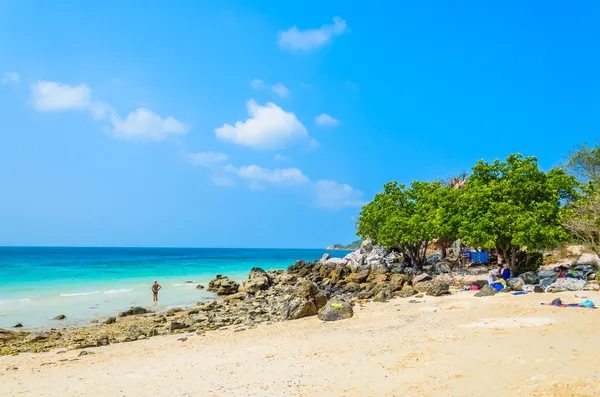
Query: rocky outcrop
x: 566, y: 284
x: 258, y: 280
x: 515, y: 283
x: 223, y: 286
x: 486, y: 291
x: 438, y: 289
x: 336, y: 310
x: 134, y: 311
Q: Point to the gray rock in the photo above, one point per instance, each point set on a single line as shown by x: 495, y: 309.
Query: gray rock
x: 382, y: 296
x: 486, y: 291
x: 546, y: 282
x: 199, y: 286
x: 133, y: 311
x: 299, y: 308
x: 366, y: 247
x: 355, y: 260
x: 566, y: 284
x: 336, y: 310
x: 420, y: 278
x: 546, y: 273
x: 223, y: 286
x: 325, y: 257
x: 515, y: 283
x: 60, y: 317
x: 336, y: 262
x: 438, y: 289
x: 530, y: 278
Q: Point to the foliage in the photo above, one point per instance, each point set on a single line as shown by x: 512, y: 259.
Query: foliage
x: 509, y: 205
x: 513, y: 206
x: 583, y: 221
x: 583, y: 217
x: 407, y: 218
x: 584, y: 163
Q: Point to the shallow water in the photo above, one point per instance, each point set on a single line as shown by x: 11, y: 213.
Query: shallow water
x: 39, y: 283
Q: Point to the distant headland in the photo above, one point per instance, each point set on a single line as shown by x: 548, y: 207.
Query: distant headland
x: 350, y: 247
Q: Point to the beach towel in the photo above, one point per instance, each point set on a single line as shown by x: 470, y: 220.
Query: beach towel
x: 558, y: 303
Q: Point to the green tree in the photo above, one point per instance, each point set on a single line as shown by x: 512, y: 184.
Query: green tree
x: 514, y: 207
x: 583, y: 218
x: 406, y: 219
x: 584, y: 163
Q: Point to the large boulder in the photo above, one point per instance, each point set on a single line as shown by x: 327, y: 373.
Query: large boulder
x: 336, y: 262
x: 530, y: 278
x: 546, y: 282
x: 421, y: 277
x: 258, y: 280
x: 223, y: 286
x: 486, y: 291
x: 407, y: 291
x: 382, y: 296
x: 357, y: 277
x: 438, y: 289
x: 336, y: 310
x: 566, y: 284
x: 515, y: 283
x: 355, y: 260
x: 366, y: 247
x: 298, y: 308
x: 422, y: 286
x: 133, y: 311
x: 546, y: 273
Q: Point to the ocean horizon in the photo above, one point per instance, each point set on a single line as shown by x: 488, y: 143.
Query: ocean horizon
x: 92, y: 283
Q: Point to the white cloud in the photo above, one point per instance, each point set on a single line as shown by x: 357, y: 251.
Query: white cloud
x: 144, y: 125
x: 326, y: 120
x: 207, y: 159
x: 10, y: 78
x: 330, y: 194
x: 139, y: 125
x: 305, y: 40
x: 259, y: 176
x: 49, y: 96
x: 280, y: 90
x: 269, y: 127
x: 281, y: 157
x: 257, y: 84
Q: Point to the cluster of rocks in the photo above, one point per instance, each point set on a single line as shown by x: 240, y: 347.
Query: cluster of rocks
x: 328, y: 288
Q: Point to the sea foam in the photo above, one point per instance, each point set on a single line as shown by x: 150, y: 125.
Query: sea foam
x: 118, y: 291
x: 15, y: 301
x: 81, y: 293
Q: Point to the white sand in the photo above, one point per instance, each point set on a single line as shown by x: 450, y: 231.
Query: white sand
x: 496, y: 346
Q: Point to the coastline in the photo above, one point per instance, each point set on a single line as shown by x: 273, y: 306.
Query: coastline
x: 435, y: 346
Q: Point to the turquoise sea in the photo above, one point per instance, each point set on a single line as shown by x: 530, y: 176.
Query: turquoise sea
x: 38, y: 283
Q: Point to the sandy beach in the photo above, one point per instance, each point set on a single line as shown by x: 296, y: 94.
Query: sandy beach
x: 456, y: 345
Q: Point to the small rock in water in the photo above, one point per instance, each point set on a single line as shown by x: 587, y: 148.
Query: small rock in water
x: 18, y: 325
x: 199, y: 286
x: 60, y: 317
x: 189, y: 282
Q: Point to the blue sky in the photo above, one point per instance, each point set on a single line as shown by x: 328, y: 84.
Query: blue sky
x: 268, y: 123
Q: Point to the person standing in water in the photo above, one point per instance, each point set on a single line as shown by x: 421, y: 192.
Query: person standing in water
x: 155, y: 288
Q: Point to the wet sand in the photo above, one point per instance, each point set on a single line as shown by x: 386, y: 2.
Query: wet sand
x: 457, y: 345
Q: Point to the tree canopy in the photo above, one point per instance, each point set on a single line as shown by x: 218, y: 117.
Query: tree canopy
x: 510, y: 205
